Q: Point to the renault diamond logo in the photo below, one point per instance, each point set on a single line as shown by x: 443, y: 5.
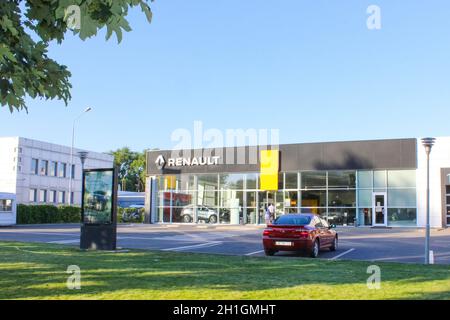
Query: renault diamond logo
x: 160, y: 162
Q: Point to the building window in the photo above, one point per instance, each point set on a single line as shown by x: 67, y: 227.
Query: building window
x: 447, y: 208
x: 380, y: 179
x: 73, y: 172
x: 33, y: 195
x: 43, y: 196
x: 62, y: 170
x: 401, y: 179
x: 402, y: 198
x: 34, y: 166
x: 291, y: 181
x: 341, y: 179
x: 53, y: 169
x: 341, y: 197
x: 314, y: 198
x: 44, y: 168
x: 19, y: 168
x: 5, y: 205
x: 61, y: 197
x: 314, y: 180
x: 72, y: 198
x: 365, y: 179
x: 402, y: 217
x: 52, y: 196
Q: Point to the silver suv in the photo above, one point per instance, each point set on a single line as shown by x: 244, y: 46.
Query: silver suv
x: 203, y: 214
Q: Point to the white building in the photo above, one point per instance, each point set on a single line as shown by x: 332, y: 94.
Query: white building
x: 39, y: 172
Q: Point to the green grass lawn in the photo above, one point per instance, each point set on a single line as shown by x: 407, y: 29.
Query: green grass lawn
x: 38, y: 271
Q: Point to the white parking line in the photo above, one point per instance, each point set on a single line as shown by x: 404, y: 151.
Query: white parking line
x: 64, y: 241
x: 203, y: 245
x: 254, y: 253
x: 342, y: 254
x: 48, y: 234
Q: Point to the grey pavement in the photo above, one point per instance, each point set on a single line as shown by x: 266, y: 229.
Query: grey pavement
x: 388, y: 245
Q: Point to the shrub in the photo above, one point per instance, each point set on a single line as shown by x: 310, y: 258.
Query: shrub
x: 37, y: 214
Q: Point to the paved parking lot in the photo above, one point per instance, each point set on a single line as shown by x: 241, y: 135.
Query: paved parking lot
x: 396, y: 245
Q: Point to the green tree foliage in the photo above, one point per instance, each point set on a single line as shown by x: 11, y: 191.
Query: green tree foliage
x: 27, y: 27
x: 131, y: 169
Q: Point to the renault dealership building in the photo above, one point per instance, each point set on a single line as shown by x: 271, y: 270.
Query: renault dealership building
x: 377, y: 183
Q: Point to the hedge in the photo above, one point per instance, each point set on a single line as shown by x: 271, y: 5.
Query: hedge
x: 45, y: 214
x: 37, y: 214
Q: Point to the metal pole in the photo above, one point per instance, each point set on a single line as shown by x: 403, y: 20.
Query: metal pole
x: 71, y: 153
x: 71, y: 163
x: 428, y: 231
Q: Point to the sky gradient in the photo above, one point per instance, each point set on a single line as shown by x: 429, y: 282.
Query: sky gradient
x: 309, y: 68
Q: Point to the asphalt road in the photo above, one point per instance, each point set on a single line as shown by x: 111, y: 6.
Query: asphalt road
x: 396, y: 245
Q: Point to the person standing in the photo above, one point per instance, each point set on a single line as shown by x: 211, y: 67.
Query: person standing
x: 271, y: 210
x: 267, y: 216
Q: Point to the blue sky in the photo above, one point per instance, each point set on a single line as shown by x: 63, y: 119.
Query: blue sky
x: 309, y: 68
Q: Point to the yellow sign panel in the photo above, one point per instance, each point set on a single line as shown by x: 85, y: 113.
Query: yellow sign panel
x: 270, y: 167
x: 171, y: 182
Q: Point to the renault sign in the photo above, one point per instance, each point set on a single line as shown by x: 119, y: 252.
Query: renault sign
x: 161, y: 162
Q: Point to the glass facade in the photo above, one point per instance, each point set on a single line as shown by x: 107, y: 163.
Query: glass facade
x: 342, y: 197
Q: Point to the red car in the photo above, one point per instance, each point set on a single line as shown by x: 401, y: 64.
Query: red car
x: 300, y: 232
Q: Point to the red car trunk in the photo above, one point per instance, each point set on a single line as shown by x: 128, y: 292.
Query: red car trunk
x: 287, y: 232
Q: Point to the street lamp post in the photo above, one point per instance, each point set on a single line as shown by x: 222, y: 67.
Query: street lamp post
x: 83, y: 156
x: 428, y: 144
x: 72, y: 149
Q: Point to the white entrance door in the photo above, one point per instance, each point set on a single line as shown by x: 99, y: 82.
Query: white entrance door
x: 379, y: 209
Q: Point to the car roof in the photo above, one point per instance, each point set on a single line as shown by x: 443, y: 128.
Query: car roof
x: 311, y: 215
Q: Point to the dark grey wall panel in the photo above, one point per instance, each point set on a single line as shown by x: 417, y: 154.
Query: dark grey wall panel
x: 350, y: 155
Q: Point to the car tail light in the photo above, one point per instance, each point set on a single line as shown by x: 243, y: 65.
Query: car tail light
x: 267, y: 232
x: 302, y: 233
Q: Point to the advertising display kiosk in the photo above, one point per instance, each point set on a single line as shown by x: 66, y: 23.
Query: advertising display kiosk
x: 99, y: 209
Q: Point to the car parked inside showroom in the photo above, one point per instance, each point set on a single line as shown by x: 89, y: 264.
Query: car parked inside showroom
x: 303, y: 233
x: 204, y: 214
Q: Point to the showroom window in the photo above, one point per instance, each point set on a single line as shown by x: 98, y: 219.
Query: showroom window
x: 342, y: 197
x: 341, y: 179
x: 401, y: 179
x: 314, y: 198
x: 232, y: 181
x: 314, y: 180
x: 291, y: 181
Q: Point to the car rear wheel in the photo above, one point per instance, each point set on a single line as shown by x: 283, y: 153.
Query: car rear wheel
x: 335, y: 244
x: 270, y: 253
x: 315, y: 249
x: 187, y: 219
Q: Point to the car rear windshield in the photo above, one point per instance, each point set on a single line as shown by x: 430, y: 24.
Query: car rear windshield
x: 293, y: 220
